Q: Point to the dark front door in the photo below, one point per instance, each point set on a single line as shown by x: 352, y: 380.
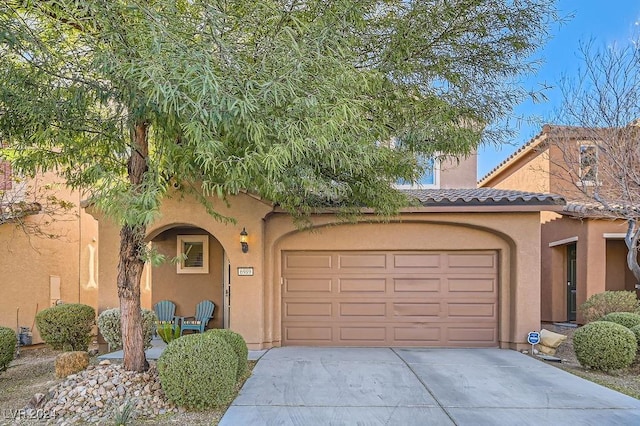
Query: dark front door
x: 571, y: 282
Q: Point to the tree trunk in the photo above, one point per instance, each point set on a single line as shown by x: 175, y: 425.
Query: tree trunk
x: 131, y: 262
x: 631, y: 239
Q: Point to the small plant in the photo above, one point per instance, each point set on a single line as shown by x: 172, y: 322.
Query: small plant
x: 123, y: 414
x: 628, y: 319
x: 239, y: 346
x: 198, y: 371
x: 604, y: 345
x: 8, y: 343
x: 67, y: 327
x: 168, y: 332
x: 110, y: 327
x: 601, y: 304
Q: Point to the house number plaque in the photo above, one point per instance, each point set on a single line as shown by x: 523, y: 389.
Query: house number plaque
x: 245, y: 271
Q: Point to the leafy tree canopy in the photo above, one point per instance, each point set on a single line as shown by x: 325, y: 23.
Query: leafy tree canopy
x: 290, y: 99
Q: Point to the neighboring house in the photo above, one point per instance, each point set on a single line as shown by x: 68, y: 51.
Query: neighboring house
x: 459, y: 269
x: 47, y: 259
x: 583, y: 251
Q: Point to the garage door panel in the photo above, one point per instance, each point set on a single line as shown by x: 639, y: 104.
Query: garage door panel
x: 310, y: 333
x: 309, y: 261
x: 363, y: 333
x: 363, y: 309
x: 417, y: 260
x: 475, y: 285
x: 363, y: 285
x: 307, y: 309
x: 472, y: 310
x: 362, y: 261
x: 417, y: 310
x: 471, y: 261
x: 472, y: 335
x: 308, y: 285
x: 426, y: 335
x: 390, y: 299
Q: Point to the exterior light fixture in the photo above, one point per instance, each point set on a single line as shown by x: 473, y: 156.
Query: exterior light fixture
x: 243, y: 240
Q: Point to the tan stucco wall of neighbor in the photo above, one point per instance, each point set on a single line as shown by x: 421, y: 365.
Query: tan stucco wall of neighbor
x: 592, y: 261
x: 460, y: 173
x: 30, y: 263
x: 618, y: 276
x: 529, y: 174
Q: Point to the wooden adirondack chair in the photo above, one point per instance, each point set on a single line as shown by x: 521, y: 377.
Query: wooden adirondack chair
x: 198, y: 322
x: 166, y: 312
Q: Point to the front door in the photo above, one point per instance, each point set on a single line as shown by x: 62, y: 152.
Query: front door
x: 571, y: 282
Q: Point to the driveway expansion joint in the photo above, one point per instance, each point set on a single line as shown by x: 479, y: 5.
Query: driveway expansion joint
x: 435, y: 398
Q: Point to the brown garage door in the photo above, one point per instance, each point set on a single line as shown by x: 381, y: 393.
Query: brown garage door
x: 444, y: 299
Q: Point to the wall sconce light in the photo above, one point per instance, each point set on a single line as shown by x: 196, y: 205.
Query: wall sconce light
x: 243, y: 240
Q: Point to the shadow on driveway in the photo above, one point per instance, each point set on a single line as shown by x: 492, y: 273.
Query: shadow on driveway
x: 382, y: 386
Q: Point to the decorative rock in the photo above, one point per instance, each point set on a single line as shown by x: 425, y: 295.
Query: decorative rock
x: 105, y: 362
x: 91, y: 396
x: 68, y: 363
x: 37, y: 401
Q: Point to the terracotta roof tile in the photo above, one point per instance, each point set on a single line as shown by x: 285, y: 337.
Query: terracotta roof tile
x: 482, y: 196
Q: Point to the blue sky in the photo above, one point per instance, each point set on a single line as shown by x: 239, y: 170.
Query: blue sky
x: 607, y: 22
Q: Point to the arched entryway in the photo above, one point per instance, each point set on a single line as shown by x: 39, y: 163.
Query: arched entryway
x: 194, y: 270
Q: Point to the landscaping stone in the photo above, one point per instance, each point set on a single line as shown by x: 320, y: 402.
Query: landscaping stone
x: 68, y: 363
x: 94, y: 395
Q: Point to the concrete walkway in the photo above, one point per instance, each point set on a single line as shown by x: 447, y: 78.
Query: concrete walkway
x: 378, y: 386
x: 157, y: 346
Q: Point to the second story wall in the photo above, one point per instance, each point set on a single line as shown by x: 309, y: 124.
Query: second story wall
x: 460, y: 173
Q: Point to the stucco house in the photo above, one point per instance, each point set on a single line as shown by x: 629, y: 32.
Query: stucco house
x: 46, y: 259
x: 582, y: 251
x: 461, y: 268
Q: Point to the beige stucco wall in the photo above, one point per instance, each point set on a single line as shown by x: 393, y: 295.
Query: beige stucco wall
x: 187, y: 290
x: 29, y: 263
x: 509, y: 234
x: 460, y: 173
x: 255, y: 302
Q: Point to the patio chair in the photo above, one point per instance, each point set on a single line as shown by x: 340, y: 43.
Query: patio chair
x: 198, y: 322
x: 166, y: 312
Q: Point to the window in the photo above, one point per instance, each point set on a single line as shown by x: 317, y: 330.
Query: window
x: 429, y: 178
x: 193, y: 254
x: 588, y: 164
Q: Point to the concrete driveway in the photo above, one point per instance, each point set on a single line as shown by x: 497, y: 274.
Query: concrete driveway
x: 379, y: 386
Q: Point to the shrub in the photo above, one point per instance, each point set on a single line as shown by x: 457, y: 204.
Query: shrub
x: 604, y: 345
x: 636, y: 330
x: 8, y: 342
x: 66, y: 327
x: 109, y: 325
x: 198, y: 371
x: 238, y: 345
x: 168, y: 332
x: 601, y: 304
x: 628, y: 319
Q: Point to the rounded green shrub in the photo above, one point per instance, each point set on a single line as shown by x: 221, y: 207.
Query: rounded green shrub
x: 636, y: 330
x: 110, y: 328
x: 8, y: 342
x: 198, y: 371
x: 239, y: 346
x: 604, y: 345
x: 603, y: 303
x: 67, y: 327
x: 628, y: 319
